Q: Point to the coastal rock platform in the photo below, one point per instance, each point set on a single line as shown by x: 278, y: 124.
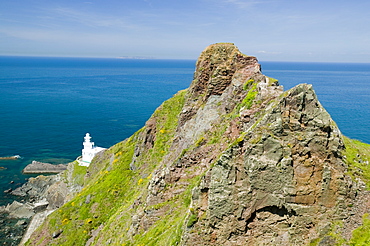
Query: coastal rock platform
x: 40, y: 167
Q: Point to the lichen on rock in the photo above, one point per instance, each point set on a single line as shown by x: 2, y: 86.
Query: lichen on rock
x: 287, y: 174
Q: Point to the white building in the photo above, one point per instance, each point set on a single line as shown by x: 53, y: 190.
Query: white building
x: 89, y: 151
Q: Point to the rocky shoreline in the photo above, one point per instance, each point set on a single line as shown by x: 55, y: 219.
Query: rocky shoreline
x: 34, y: 200
x: 31, y: 198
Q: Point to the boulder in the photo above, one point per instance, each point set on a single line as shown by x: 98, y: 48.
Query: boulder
x: 35, y: 187
x: 19, y: 210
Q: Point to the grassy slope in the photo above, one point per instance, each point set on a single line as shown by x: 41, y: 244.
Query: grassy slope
x: 358, y: 159
x: 108, y: 193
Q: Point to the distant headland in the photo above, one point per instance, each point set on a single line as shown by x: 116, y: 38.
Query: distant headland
x: 136, y: 57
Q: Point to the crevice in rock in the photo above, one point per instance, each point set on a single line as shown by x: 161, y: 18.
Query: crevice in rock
x: 327, y: 129
x: 280, y: 211
x: 204, y: 190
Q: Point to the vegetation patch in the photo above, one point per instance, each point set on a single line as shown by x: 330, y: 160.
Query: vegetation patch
x: 357, y: 156
x: 78, y: 173
x: 109, y: 192
x: 216, y: 135
x: 361, y: 236
x: 272, y: 81
x: 248, y: 100
x: 248, y: 84
x: 193, y: 218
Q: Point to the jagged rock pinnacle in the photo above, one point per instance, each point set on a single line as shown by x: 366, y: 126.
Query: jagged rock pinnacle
x: 216, y: 66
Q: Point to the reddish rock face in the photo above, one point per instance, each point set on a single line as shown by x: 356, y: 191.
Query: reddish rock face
x: 286, y: 173
x: 276, y: 174
x: 216, y: 67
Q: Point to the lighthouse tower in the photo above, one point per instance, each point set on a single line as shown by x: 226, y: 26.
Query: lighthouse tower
x: 89, y: 151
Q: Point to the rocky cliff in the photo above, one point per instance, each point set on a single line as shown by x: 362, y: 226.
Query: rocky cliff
x: 233, y: 160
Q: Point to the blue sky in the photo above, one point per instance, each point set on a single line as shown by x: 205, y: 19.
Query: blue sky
x: 272, y: 30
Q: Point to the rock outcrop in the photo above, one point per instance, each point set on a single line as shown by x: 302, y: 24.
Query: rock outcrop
x: 37, y: 167
x: 35, y: 187
x: 283, y: 182
x: 40, y: 196
x: 18, y: 210
x: 233, y: 160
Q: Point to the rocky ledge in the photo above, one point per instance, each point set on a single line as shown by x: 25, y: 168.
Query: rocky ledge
x: 40, y: 167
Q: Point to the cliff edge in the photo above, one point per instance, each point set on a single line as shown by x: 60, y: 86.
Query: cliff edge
x: 233, y: 160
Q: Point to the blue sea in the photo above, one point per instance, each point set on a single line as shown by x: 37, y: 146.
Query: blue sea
x: 48, y: 104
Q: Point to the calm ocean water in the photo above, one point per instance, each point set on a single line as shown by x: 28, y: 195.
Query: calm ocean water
x: 48, y: 104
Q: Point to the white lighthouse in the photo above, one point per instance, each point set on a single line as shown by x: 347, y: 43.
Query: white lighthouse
x: 89, y: 151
